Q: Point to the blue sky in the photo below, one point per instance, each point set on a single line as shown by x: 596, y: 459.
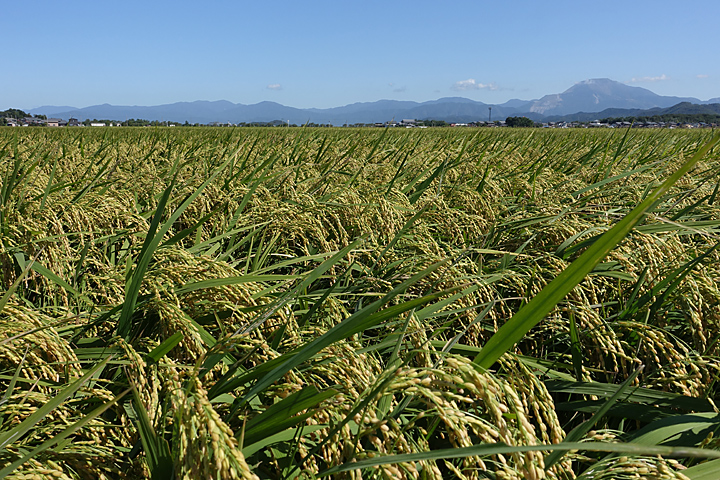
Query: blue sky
x: 331, y: 53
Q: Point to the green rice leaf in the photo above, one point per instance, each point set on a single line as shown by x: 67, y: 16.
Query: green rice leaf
x: 164, y: 348
x: 704, y: 471
x: 284, y: 414
x: 678, y: 430
x: 157, y: 449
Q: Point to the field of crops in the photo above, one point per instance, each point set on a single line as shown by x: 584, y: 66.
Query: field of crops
x: 372, y: 303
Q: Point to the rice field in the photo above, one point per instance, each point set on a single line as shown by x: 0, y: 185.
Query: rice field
x: 359, y: 303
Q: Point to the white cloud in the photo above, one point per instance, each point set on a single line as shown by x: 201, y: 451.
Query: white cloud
x: 648, y: 79
x: 274, y: 86
x: 702, y: 76
x: 471, y: 84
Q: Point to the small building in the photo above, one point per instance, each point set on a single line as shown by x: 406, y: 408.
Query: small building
x: 32, y: 121
x: 56, y: 122
x: 97, y: 124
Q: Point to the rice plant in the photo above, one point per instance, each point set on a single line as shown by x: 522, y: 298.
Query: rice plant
x: 358, y: 303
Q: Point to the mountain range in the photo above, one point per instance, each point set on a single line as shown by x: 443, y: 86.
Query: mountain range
x: 589, y: 96
x: 680, y: 109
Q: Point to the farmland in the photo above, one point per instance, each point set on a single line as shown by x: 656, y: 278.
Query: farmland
x: 279, y: 303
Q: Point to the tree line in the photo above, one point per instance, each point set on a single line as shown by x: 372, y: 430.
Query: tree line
x: 17, y: 114
x: 667, y: 118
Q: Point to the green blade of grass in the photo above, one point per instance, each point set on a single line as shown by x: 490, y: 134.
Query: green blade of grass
x: 640, y: 395
x: 704, y: 471
x: 678, y: 430
x: 157, y: 450
x: 165, y: 347
x: 575, y: 348
x: 283, y: 414
x: 221, y: 282
x: 281, y: 437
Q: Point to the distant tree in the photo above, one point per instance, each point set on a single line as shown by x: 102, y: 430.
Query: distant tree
x: 432, y: 123
x: 518, y: 122
x: 668, y: 117
x: 14, y: 113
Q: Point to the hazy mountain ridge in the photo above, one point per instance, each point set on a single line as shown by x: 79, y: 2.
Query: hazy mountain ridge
x: 586, y: 97
x: 683, y: 108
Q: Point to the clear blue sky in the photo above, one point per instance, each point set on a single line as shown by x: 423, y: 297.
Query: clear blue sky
x: 331, y: 53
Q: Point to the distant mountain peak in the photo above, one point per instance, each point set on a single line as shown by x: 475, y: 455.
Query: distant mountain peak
x: 597, y: 94
x: 594, y: 81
